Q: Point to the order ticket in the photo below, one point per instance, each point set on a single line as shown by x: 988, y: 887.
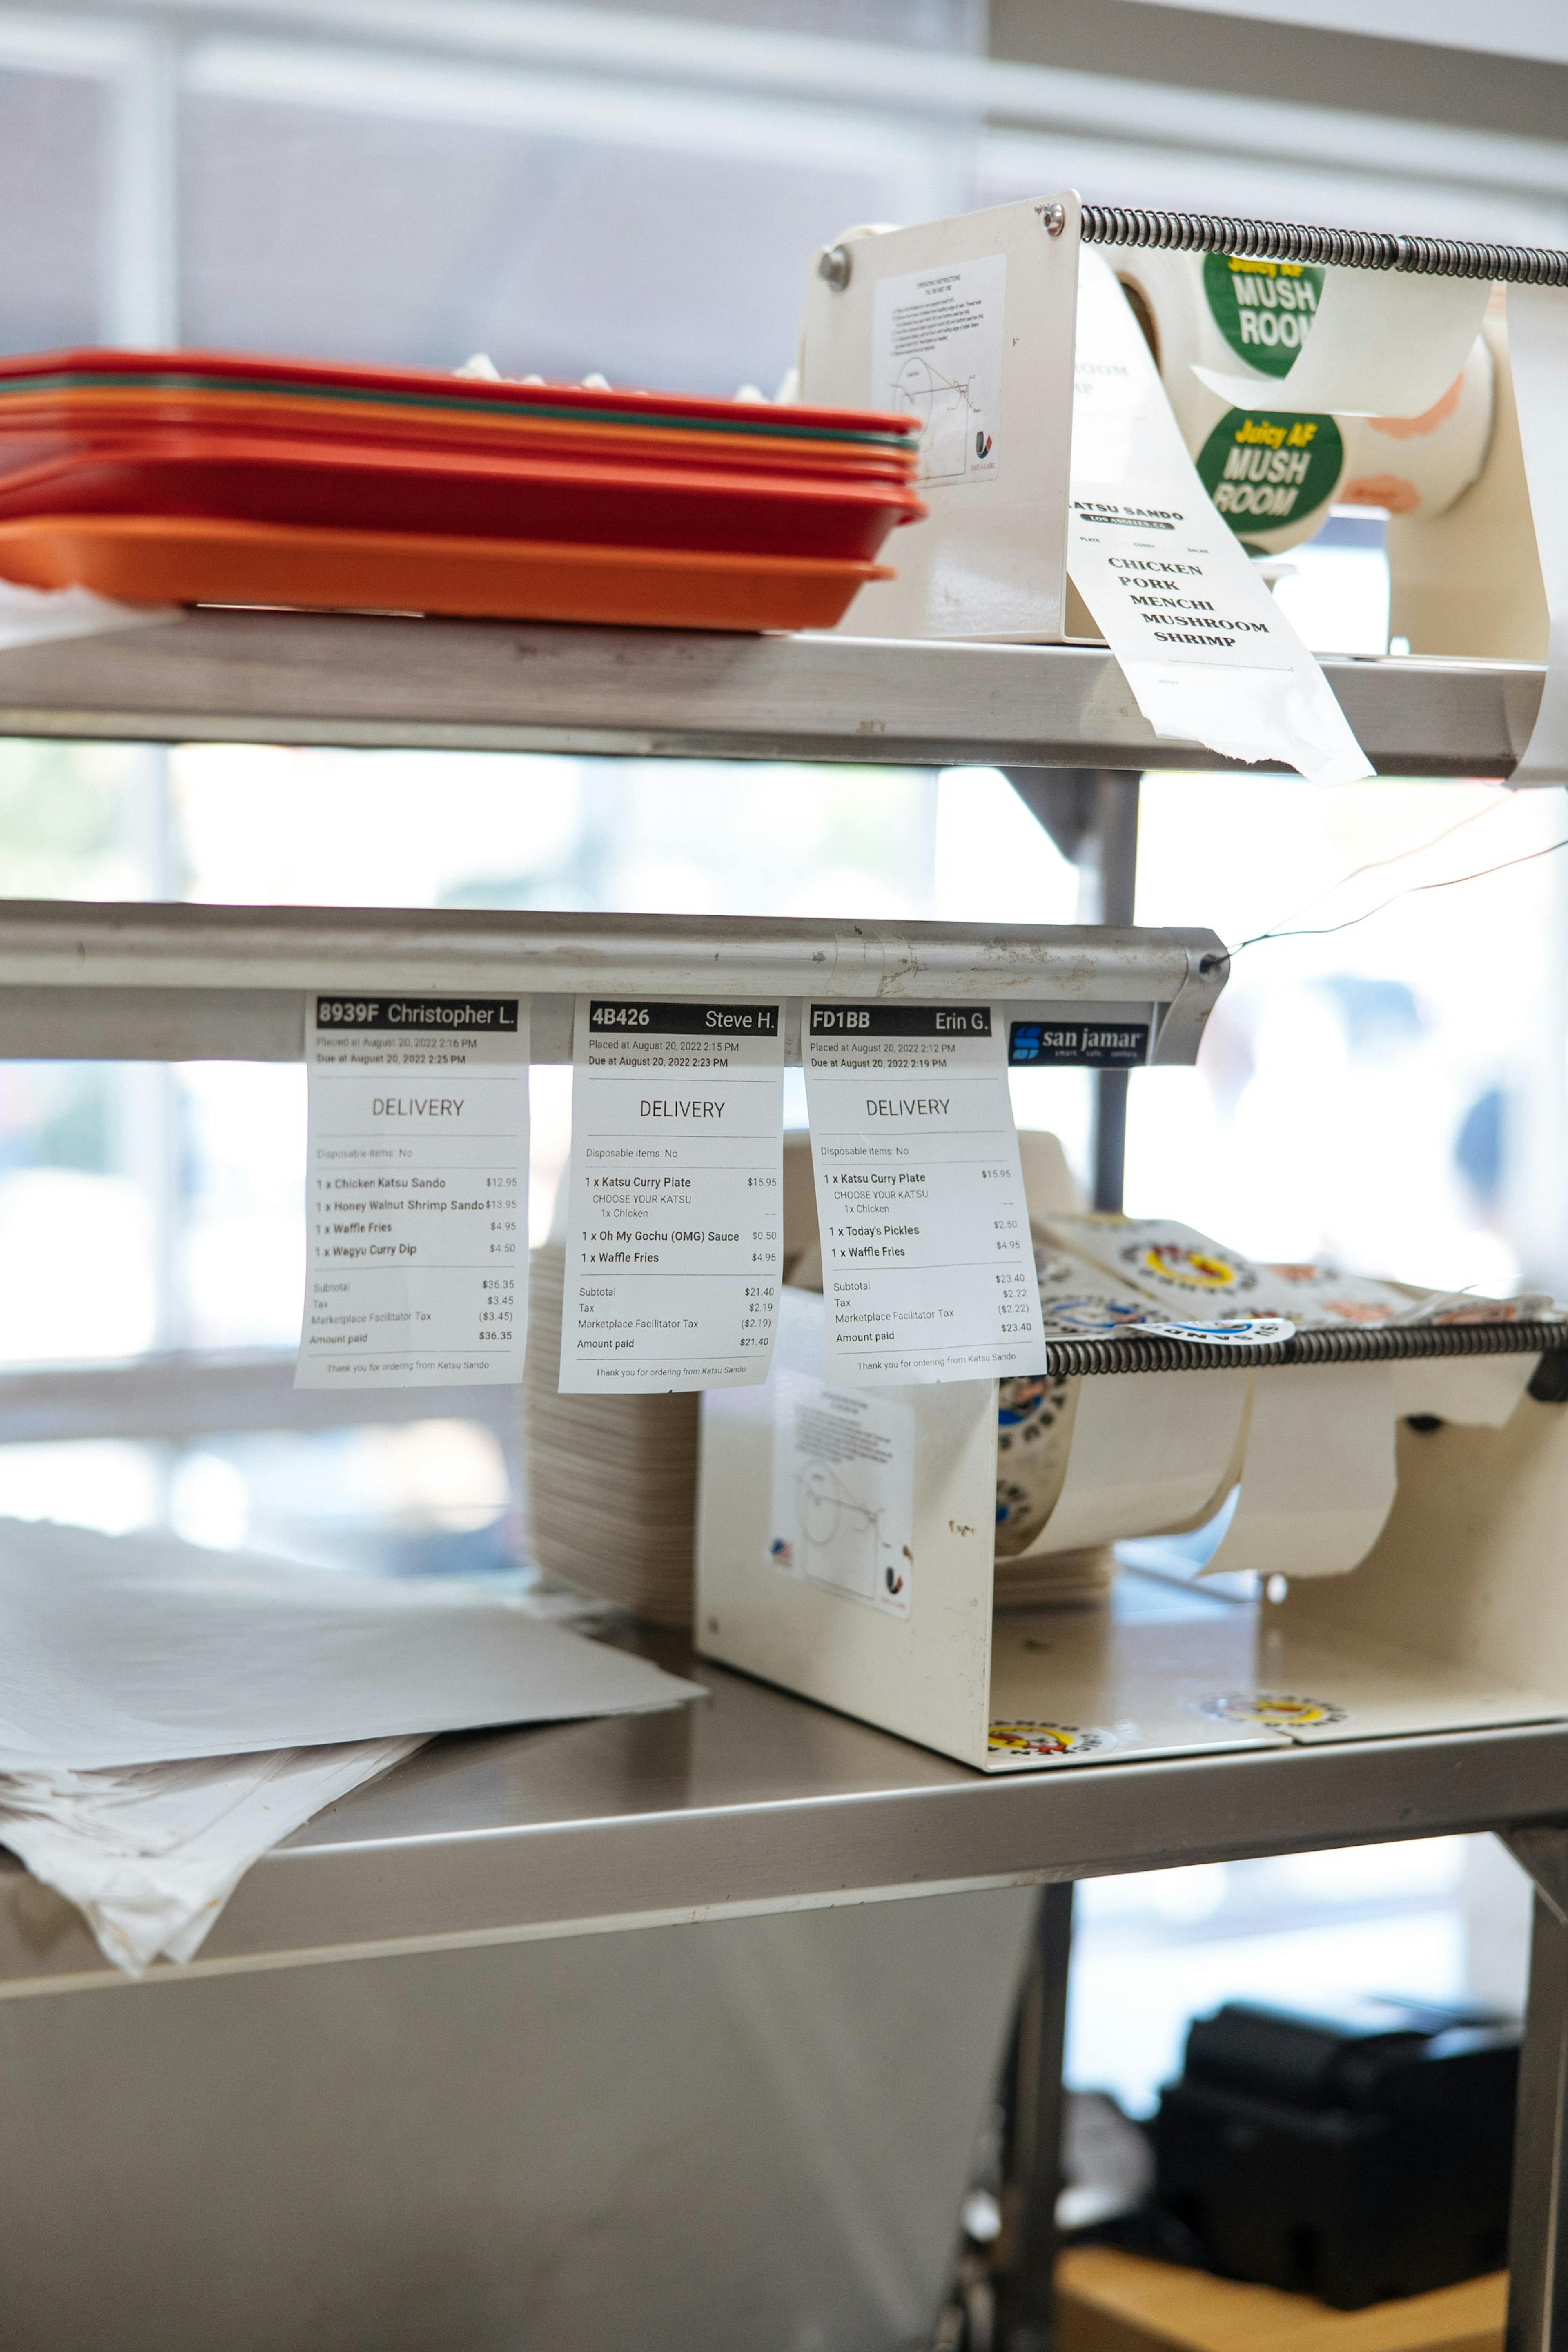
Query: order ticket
x: 416, y: 1214
x: 926, y: 1256
x: 675, y: 1239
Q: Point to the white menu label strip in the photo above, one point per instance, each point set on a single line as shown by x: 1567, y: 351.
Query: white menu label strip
x: 927, y: 1259
x: 675, y: 1244
x: 1207, y: 653
x: 417, y: 1208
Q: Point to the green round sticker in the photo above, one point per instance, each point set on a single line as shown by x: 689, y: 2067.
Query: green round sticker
x: 1264, y: 471
x: 1263, y: 309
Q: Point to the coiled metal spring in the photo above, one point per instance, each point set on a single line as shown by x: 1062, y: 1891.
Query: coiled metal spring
x: 1136, y: 1352
x: 1348, y: 248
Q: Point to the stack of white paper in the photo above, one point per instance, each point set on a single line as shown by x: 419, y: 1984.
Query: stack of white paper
x: 151, y: 1853
x: 168, y: 1713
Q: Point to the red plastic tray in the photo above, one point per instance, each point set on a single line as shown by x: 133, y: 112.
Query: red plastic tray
x: 533, y: 497
x: 146, y: 559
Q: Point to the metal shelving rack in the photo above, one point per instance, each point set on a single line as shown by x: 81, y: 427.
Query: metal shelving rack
x: 753, y: 1802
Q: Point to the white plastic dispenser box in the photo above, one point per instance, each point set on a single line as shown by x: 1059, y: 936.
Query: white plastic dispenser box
x: 1048, y: 447
x: 969, y: 325
x: 847, y: 1550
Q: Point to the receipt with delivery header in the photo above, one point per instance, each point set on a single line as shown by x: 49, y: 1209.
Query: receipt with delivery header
x: 416, y: 1210
x: 675, y: 1237
x: 926, y: 1256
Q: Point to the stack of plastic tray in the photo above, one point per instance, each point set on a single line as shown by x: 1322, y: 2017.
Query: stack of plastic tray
x: 190, y: 478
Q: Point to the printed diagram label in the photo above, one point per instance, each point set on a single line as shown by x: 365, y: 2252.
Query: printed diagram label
x: 844, y: 1484
x: 416, y: 1192
x: 936, y: 354
x: 675, y: 1241
x: 927, y: 1259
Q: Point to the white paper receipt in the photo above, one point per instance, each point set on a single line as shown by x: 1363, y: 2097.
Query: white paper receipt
x: 926, y: 1256
x: 416, y: 1215
x: 844, y: 1489
x: 675, y: 1244
x: 936, y: 354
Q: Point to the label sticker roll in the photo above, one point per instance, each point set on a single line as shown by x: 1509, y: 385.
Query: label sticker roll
x: 927, y: 1258
x: 1379, y: 343
x: 1191, y: 308
x: 1264, y: 472
x: 675, y: 1241
x: 1167, y: 1260
x: 1264, y: 310
x: 417, y: 1199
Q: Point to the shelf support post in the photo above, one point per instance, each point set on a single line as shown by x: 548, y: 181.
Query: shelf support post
x: 1091, y: 814
x: 1537, y: 2223
x: 1037, y: 2107
x: 1116, y: 799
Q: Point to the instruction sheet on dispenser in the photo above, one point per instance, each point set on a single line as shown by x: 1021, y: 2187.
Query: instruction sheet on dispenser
x: 844, y: 1491
x: 675, y: 1239
x: 927, y: 1260
x: 416, y: 1192
x: 936, y: 355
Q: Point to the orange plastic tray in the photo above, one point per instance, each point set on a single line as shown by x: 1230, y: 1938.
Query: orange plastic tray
x: 52, y: 418
x: 154, y: 559
x: 402, y: 389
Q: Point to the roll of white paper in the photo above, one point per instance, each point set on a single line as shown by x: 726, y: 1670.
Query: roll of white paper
x: 1419, y: 465
x: 1538, y: 354
x: 1478, y: 1391
x: 1149, y: 1450
x: 1380, y: 343
x: 1318, y: 1476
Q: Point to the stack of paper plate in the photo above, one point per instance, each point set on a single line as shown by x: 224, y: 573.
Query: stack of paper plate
x: 1058, y: 1580
x: 185, y: 478
x: 612, y: 1480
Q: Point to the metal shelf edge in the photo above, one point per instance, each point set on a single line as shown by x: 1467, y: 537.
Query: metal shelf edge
x: 384, y: 681
x: 380, y: 1874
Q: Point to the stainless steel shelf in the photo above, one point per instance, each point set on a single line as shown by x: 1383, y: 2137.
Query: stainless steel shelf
x: 154, y: 981
x: 753, y: 1802
x: 297, y: 677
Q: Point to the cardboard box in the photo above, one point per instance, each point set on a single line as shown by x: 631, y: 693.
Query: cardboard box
x: 1112, y: 2302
